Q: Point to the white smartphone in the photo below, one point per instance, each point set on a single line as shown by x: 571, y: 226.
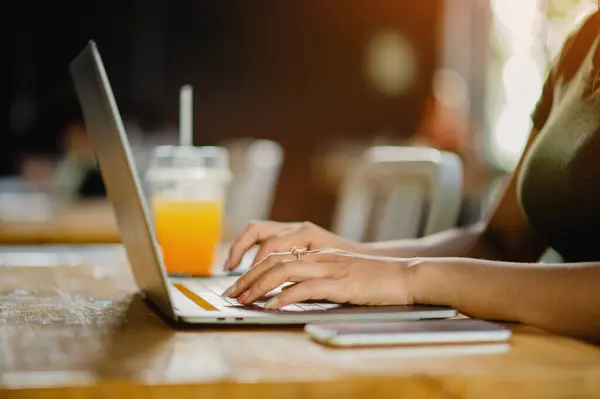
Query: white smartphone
x: 407, y: 332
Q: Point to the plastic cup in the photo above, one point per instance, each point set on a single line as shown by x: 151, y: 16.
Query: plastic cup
x: 187, y: 187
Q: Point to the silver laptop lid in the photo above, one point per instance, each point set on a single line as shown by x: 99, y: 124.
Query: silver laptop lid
x: 113, y: 152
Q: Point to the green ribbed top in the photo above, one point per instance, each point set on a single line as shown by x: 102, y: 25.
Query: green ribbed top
x: 559, y: 183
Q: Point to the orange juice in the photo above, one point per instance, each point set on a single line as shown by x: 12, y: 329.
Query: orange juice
x: 188, y: 233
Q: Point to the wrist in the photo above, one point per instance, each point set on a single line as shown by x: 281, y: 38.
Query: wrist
x: 427, y: 278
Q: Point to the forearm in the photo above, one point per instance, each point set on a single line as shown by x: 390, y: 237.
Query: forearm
x: 560, y: 298
x: 465, y: 242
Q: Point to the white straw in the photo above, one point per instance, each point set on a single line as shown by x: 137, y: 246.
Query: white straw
x: 186, y: 102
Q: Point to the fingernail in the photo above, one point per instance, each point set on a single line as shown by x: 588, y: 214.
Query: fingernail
x: 287, y: 287
x: 273, y: 303
x: 226, y: 265
x: 243, y: 297
x: 229, y: 291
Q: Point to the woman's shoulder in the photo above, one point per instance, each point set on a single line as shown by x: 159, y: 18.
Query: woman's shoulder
x: 570, y: 58
x: 577, y: 45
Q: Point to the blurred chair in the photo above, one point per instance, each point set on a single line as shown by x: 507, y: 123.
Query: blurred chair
x: 255, y: 165
x: 16, y: 184
x: 400, y: 192
x: 22, y: 200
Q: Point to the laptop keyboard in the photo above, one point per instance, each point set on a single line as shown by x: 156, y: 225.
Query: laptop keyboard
x: 210, y: 290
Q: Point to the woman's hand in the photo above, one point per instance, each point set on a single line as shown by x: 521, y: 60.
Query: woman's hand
x: 275, y: 237
x: 333, y: 275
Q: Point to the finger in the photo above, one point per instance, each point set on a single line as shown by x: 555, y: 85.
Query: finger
x: 299, y: 234
x: 278, y: 244
x: 295, y: 272
x: 253, y: 234
x: 244, y: 282
x: 315, y: 289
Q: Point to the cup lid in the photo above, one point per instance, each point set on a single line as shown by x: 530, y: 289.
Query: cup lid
x: 189, y: 162
x: 199, y: 173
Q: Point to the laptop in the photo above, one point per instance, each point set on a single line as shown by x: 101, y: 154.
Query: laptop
x: 184, y: 300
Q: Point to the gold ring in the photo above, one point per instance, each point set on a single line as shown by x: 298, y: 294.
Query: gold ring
x: 298, y: 251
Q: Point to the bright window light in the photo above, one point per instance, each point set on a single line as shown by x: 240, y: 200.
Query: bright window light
x: 525, y: 38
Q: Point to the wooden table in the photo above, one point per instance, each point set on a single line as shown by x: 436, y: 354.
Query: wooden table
x: 82, y: 331
x: 83, y: 222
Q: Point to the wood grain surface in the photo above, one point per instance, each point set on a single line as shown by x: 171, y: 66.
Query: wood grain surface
x: 81, y: 330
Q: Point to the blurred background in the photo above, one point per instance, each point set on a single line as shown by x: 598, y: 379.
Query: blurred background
x: 321, y: 81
